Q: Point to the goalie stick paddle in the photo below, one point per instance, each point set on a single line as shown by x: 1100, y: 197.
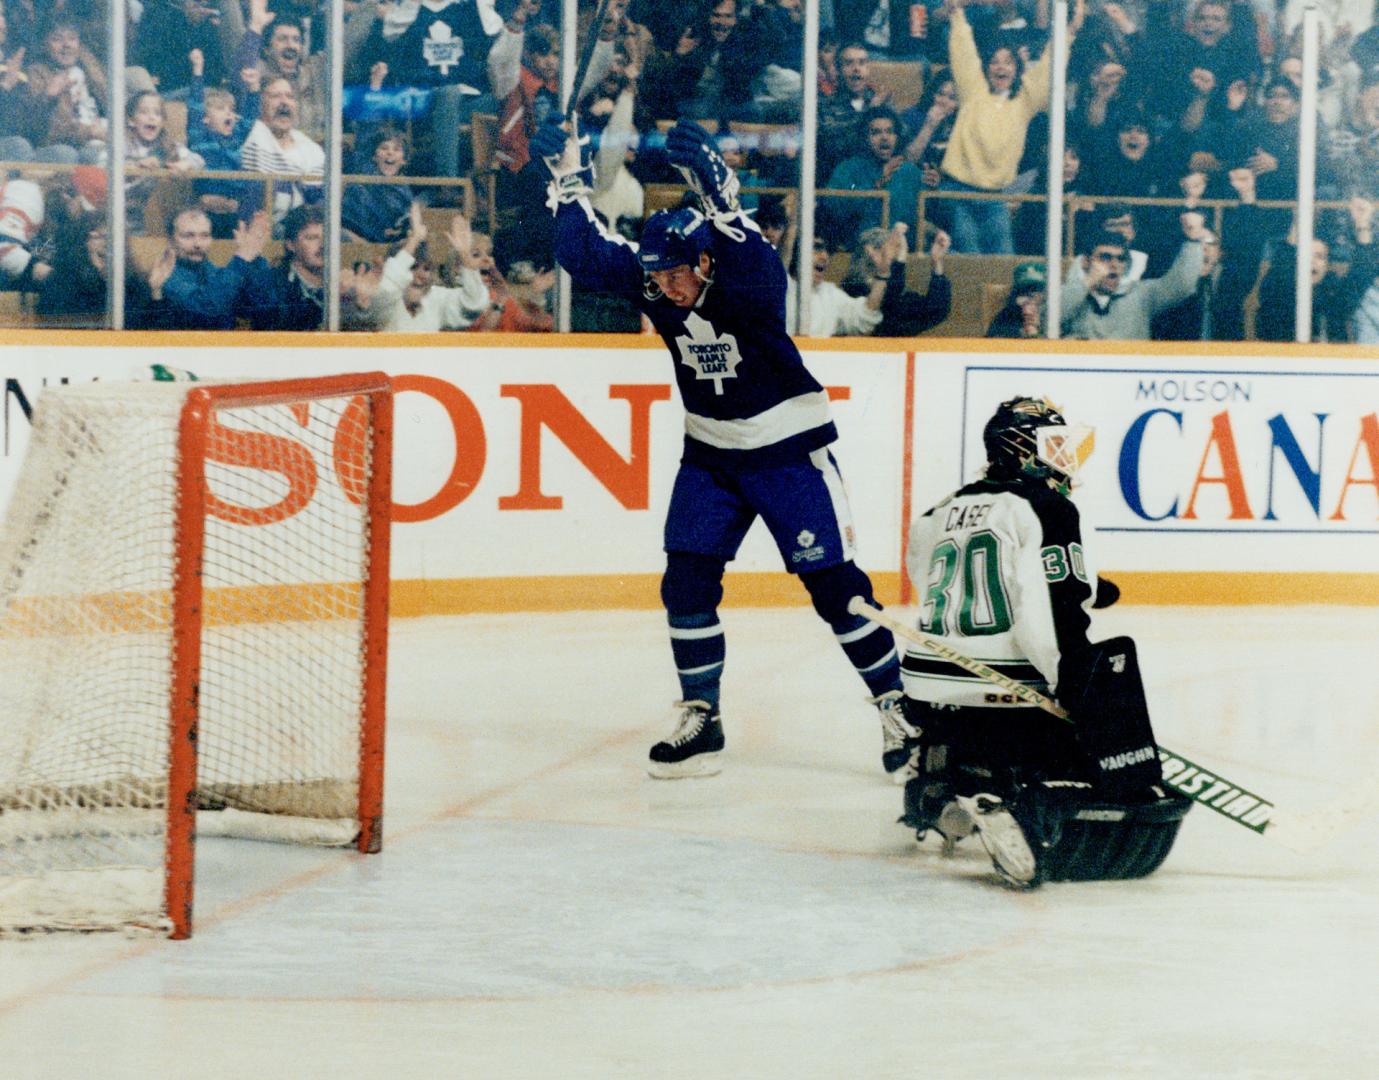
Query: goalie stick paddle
x: 1185, y: 777
x: 585, y: 57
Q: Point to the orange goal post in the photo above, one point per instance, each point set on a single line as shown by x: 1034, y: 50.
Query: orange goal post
x: 193, y: 638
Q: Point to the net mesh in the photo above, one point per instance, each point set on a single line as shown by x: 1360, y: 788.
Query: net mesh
x: 86, y: 642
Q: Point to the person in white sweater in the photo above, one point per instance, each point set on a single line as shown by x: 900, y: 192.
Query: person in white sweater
x: 832, y: 312
x: 408, y: 301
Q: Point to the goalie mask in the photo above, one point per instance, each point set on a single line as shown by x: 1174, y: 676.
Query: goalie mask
x: 1029, y: 437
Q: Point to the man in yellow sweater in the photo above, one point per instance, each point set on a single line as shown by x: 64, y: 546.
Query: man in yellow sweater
x: 998, y: 96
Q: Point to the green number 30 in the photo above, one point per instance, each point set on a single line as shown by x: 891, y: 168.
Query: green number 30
x: 1059, y: 562
x: 981, y: 602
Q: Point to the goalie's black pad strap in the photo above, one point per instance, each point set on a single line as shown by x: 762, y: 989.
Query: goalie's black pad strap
x: 1077, y: 836
x: 1100, y: 687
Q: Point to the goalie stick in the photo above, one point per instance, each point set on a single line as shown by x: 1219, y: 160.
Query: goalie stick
x: 1299, y: 833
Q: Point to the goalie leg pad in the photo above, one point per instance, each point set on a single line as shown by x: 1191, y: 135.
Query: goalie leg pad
x: 1078, y: 835
x: 1100, y: 686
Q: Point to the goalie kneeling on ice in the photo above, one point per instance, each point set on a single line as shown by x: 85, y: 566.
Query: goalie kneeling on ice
x: 1088, y: 795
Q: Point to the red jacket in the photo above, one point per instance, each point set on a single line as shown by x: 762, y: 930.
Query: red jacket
x: 517, y: 123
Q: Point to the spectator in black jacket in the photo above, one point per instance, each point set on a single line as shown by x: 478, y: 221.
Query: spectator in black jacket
x: 884, y: 254
x: 709, y: 72
x: 290, y: 295
x: 1230, y: 265
x: 75, y: 293
x: 1337, y: 291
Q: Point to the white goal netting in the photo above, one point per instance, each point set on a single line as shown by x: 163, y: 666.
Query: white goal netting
x: 87, y: 642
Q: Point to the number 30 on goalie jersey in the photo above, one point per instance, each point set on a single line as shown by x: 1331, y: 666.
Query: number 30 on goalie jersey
x: 1000, y: 562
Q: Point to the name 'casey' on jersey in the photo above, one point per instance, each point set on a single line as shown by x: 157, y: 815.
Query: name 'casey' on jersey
x: 1001, y: 576
x: 749, y: 399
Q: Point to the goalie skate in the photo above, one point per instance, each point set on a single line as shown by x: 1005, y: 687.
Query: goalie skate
x: 1003, y: 839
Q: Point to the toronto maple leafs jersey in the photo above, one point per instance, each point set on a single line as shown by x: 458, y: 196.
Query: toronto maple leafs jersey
x: 749, y: 400
x: 1001, y: 576
x: 447, y: 43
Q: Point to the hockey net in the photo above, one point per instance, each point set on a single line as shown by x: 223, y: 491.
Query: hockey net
x: 193, y: 620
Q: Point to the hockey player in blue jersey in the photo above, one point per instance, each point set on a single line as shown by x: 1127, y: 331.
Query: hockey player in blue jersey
x: 757, y: 430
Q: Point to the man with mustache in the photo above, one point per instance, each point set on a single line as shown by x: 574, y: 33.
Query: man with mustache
x: 275, y: 44
x: 275, y: 145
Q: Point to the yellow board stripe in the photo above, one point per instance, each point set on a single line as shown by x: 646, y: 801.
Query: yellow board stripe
x: 774, y: 589
x: 143, y: 612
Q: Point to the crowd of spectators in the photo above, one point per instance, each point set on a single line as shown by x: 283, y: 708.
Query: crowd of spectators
x: 1182, y: 155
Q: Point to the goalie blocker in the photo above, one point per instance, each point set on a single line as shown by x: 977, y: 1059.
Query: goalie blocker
x: 1087, y: 796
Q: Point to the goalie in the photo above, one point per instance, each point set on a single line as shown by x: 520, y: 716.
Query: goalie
x: 1003, y: 577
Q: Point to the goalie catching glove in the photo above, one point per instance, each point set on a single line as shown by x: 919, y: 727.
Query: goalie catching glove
x: 567, y: 157
x: 690, y: 149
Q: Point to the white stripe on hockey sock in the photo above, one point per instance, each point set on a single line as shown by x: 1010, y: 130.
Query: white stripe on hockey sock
x: 695, y: 633
x: 698, y: 670
x: 880, y: 663
x: 858, y: 634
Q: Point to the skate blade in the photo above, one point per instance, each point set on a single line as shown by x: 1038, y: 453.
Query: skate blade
x: 709, y: 764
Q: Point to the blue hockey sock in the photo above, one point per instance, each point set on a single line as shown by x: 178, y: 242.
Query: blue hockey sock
x: 871, y: 648
x: 696, y: 643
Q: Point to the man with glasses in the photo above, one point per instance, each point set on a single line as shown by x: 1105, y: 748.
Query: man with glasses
x: 1099, y: 305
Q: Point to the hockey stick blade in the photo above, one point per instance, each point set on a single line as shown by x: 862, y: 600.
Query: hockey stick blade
x: 1298, y: 833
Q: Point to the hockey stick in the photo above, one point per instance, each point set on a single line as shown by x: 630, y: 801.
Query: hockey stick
x: 1211, y: 790
x: 584, y: 59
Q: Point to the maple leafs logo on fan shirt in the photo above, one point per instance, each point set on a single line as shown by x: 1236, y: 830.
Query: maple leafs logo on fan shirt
x: 441, y: 48
x: 709, y: 354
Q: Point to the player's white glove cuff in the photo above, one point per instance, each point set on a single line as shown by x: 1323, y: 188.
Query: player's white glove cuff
x: 569, y: 188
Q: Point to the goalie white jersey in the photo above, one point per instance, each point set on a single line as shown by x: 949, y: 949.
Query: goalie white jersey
x: 1001, y: 576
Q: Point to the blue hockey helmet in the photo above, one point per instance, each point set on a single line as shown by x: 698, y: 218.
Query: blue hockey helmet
x: 672, y: 238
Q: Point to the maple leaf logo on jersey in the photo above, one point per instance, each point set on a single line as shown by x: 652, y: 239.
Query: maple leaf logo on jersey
x: 710, y: 355
x: 442, y: 49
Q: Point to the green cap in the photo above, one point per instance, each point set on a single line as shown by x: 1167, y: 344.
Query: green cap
x: 1028, y: 275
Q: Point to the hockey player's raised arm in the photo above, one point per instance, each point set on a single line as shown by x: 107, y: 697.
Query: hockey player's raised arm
x: 594, y: 257
x: 745, y: 260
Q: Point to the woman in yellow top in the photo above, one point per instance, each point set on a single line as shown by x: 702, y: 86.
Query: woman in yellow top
x: 997, y: 99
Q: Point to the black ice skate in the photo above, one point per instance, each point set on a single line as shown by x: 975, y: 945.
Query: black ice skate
x: 694, y: 746
x: 899, y: 739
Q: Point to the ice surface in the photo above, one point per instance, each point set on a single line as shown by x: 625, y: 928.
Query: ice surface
x: 543, y: 909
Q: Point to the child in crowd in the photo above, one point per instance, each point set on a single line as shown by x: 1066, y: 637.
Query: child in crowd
x: 149, y: 145
x: 216, y: 130
x: 518, y: 299
x: 537, y: 96
x: 378, y: 213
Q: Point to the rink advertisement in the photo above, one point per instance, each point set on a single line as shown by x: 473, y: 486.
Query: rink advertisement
x: 542, y: 471
x: 538, y: 474
x: 1202, y: 464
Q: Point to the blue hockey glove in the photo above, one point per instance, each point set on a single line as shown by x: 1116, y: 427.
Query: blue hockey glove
x: 567, y: 158
x: 691, y: 150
